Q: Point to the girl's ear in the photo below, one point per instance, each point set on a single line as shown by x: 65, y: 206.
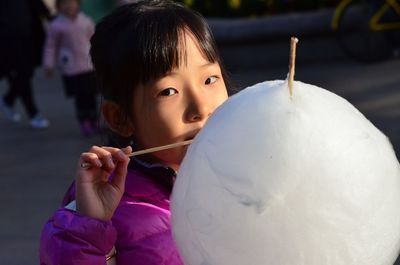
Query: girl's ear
x: 114, y: 117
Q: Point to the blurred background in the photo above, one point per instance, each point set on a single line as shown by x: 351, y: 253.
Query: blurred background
x: 217, y: 8
x: 38, y: 165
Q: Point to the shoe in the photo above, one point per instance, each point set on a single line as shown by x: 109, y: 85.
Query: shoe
x: 8, y: 112
x: 38, y: 122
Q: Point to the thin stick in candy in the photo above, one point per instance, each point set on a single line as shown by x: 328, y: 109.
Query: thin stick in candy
x: 160, y: 148
x: 292, y: 60
x: 86, y: 165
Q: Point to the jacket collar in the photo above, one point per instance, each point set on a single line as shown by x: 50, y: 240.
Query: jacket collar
x: 161, y: 174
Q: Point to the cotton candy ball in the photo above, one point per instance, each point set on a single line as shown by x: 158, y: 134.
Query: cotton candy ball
x: 280, y: 180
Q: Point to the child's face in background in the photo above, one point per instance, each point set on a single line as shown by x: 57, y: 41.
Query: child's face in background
x: 69, y: 8
x: 176, y: 107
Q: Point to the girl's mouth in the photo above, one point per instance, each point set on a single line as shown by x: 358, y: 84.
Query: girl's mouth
x: 192, y: 135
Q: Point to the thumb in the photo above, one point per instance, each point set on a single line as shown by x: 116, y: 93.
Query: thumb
x: 121, y: 170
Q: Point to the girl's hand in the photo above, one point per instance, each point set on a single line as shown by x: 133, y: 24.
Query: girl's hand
x: 96, y: 195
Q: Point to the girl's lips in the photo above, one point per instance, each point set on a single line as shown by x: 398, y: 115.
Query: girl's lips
x: 189, y: 138
x: 192, y: 135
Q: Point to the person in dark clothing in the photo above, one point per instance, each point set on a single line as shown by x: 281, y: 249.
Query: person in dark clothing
x: 21, y: 42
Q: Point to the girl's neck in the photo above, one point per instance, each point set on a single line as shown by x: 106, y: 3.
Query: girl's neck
x: 154, y: 160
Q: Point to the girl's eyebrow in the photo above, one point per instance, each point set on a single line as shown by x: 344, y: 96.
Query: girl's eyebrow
x: 207, y: 64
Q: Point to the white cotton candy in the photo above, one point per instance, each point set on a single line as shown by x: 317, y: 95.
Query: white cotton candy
x: 274, y: 180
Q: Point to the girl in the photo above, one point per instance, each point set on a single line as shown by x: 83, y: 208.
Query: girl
x: 161, y: 78
x: 68, y: 40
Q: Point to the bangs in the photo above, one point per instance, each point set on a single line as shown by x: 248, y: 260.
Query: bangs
x: 139, y: 43
x: 164, y: 48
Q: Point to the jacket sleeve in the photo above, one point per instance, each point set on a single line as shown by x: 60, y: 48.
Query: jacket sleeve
x: 69, y: 238
x: 90, y: 27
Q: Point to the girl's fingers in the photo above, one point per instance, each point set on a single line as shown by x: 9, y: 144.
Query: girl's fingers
x: 89, y: 160
x: 105, y: 157
x: 127, y: 150
x: 121, y: 158
x: 96, y: 195
x: 121, y: 169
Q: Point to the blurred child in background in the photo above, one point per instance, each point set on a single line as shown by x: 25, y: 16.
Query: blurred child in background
x: 68, y: 45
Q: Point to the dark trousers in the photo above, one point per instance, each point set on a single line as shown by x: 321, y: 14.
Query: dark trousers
x: 20, y: 86
x: 17, y: 66
x: 82, y: 87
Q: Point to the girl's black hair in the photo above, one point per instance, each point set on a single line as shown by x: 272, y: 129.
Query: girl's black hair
x: 138, y: 43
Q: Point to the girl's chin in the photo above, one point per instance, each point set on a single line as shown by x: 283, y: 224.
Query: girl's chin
x: 171, y: 159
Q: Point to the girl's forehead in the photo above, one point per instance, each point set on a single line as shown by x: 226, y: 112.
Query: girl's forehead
x: 189, y: 45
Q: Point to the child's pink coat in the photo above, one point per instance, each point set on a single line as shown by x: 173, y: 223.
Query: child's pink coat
x: 68, y: 44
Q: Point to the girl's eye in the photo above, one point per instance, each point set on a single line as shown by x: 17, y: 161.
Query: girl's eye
x: 168, y: 92
x: 211, y: 80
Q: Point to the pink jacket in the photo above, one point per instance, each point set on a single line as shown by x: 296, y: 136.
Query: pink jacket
x: 140, y: 228
x: 68, y: 44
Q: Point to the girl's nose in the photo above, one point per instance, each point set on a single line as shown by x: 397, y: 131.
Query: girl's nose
x: 199, y: 107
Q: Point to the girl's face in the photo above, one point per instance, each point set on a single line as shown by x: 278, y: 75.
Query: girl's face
x: 175, y: 107
x: 69, y: 8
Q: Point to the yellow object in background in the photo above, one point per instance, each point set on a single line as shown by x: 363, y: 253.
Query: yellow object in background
x: 188, y: 2
x: 234, y: 3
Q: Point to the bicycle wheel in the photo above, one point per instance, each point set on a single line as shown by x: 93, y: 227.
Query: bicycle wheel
x: 357, y: 39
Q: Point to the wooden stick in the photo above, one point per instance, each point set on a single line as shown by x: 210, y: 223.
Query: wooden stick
x: 292, y: 62
x: 160, y: 148
x: 86, y: 165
